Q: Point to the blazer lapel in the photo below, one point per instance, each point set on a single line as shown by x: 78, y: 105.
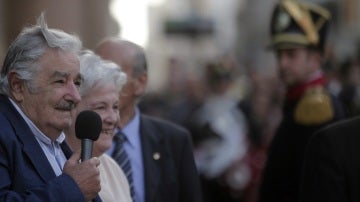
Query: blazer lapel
x: 150, y: 141
x: 30, y: 146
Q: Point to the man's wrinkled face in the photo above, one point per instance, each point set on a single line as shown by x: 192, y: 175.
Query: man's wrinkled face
x: 54, y: 91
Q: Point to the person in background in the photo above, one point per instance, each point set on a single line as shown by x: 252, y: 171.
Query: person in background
x: 39, y: 84
x: 160, y: 153
x: 331, y: 164
x: 220, y: 136
x: 298, y: 33
x: 102, y: 82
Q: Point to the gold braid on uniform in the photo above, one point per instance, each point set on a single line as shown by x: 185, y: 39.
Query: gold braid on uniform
x: 314, y: 107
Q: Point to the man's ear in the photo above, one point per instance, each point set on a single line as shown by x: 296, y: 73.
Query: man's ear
x: 16, y: 86
x: 140, y: 84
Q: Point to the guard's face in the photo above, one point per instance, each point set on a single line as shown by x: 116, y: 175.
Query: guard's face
x: 55, y: 92
x: 294, y: 65
x: 104, y: 100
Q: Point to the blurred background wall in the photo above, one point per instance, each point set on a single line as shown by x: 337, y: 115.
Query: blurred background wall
x: 188, y: 31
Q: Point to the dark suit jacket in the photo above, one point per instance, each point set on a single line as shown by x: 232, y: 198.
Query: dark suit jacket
x: 332, y: 164
x: 25, y: 173
x: 173, y: 177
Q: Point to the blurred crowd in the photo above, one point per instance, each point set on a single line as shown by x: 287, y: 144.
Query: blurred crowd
x: 232, y: 129
x: 230, y: 132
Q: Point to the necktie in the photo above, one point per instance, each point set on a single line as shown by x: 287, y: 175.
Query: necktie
x: 121, y: 157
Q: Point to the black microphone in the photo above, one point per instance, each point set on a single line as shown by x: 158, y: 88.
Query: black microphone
x: 88, y: 126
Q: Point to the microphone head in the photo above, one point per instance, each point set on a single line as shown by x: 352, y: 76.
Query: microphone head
x: 88, y: 125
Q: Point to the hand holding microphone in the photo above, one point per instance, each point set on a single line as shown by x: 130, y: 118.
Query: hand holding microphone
x: 86, y: 174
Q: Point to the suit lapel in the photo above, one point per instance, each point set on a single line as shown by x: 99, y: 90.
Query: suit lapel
x: 151, y: 144
x: 31, y: 147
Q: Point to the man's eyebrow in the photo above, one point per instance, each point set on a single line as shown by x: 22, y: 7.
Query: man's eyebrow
x: 60, y: 74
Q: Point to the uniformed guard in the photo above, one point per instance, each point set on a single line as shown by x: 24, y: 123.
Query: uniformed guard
x: 298, y: 34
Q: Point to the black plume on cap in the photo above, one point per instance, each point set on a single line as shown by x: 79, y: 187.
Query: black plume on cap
x: 88, y: 125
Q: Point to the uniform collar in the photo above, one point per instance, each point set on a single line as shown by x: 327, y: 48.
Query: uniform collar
x: 295, y: 92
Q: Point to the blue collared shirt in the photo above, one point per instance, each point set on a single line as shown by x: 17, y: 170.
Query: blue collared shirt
x: 52, y: 150
x: 134, y: 150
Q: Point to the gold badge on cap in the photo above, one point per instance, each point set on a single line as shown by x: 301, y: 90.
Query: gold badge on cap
x: 156, y: 156
x: 282, y: 21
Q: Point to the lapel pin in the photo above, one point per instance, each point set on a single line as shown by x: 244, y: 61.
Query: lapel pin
x: 156, y: 156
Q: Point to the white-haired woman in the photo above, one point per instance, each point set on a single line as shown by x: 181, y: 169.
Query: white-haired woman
x: 102, y: 83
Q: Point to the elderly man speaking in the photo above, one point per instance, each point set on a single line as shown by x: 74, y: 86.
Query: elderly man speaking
x: 38, y: 89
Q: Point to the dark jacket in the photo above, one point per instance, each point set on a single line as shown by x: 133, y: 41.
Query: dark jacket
x: 25, y: 172
x: 332, y: 164
x: 281, y: 175
x: 172, y: 177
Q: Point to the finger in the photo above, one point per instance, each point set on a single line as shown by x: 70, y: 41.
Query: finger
x: 96, y: 161
x: 75, y: 157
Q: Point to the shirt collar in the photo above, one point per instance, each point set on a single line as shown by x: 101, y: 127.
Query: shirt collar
x: 131, y: 130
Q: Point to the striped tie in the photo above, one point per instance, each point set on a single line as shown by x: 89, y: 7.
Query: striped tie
x: 121, y: 157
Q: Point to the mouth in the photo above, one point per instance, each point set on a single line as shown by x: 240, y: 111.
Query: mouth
x: 108, y: 131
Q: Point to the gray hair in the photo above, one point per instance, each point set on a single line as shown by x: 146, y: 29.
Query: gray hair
x: 96, y: 71
x: 26, y: 50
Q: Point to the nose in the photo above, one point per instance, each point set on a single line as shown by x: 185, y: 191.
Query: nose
x: 112, y: 117
x: 72, y: 93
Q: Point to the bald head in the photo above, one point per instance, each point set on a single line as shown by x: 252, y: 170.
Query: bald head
x: 130, y: 56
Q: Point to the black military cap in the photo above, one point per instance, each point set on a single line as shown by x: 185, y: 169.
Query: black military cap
x: 299, y: 24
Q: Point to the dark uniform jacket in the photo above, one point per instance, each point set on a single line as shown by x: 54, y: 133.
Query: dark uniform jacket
x: 307, y: 108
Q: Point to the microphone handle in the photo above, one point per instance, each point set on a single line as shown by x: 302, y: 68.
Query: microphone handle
x: 86, y: 149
